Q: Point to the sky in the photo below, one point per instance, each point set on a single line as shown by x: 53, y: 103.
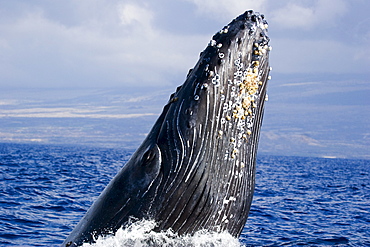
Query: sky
x: 66, y: 64
x: 120, y: 43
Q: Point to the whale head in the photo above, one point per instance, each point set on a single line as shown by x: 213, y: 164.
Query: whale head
x: 209, y: 135
x: 196, y: 168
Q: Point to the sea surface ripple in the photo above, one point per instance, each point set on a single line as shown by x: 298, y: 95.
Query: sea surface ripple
x: 306, y: 201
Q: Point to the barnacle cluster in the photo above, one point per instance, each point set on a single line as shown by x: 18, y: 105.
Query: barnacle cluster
x: 234, y: 65
x: 240, y: 97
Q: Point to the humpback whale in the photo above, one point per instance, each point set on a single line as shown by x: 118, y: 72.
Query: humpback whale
x: 195, y: 170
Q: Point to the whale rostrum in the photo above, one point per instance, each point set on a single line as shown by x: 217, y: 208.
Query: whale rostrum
x: 196, y: 168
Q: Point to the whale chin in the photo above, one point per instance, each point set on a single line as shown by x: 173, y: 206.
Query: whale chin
x: 196, y: 168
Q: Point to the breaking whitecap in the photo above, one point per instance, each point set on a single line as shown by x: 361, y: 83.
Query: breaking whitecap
x: 141, y: 234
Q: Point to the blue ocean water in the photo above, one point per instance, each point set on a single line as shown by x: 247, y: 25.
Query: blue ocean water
x: 46, y: 189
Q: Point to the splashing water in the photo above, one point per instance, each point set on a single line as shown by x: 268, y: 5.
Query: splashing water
x: 140, y: 234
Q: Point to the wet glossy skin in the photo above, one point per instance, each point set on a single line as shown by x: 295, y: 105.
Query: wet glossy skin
x: 196, y: 168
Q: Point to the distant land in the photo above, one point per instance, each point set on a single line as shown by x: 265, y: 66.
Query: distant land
x: 302, y: 117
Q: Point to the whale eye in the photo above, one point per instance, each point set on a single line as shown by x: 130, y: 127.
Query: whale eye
x: 148, y: 157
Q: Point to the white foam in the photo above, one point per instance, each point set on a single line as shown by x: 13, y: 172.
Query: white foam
x: 140, y: 234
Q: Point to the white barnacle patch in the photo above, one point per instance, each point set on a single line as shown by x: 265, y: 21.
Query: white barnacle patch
x: 263, y: 49
x: 240, y: 135
x: 249, y: 125
x: 241, y: 65
x: 225, y: 30
x: 236, y: 82
x: 196, y: 97
x: 237, y: 62
x: 240, y: 126
x: 242, y: 165
x: 234, y: 152
x: 212, y: 42
x: 206, y: 67
x: 231, y: 103
x: 230, y: 199
x: 226, y: 157
x: 240, y: 92
x: 238, y: 74
x: 216, y: 79
x: 220, y: 133
x: 253, y: 29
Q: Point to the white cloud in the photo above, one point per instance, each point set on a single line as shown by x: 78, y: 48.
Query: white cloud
x: 96, y: 43
x: 126, y: 49
x: 317, y: 56
x: 299, y: 14
x: 294, y: 15
x: 131, y: 14
x: 228, y: 9
x: 284, y: 13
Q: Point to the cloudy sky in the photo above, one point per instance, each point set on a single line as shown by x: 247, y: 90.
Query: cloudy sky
x: 59, y: 59
x: 101, y: 43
